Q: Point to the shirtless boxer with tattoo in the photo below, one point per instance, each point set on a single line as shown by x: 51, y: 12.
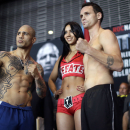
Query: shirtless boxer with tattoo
x: 17, y: 73
x: 101, y: 57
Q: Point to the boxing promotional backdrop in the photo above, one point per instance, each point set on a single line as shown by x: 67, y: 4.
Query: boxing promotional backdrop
x: 122, y: 33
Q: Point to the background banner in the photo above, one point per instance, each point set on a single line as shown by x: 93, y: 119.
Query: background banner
x: 122, y: 33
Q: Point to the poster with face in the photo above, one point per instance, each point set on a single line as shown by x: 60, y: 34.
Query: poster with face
x: 46, y: 54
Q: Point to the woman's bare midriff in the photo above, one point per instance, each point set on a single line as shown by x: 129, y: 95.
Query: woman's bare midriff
x: 69, y: 86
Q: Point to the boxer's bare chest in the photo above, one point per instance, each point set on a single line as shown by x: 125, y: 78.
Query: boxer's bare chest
x: 13, y: 72
x: 88, y: 60
x: 12, y: 65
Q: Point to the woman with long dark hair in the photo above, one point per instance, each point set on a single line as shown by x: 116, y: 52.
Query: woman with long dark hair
x: 70, y: 68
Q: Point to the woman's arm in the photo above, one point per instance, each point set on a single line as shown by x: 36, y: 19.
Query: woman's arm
x: 52, y: 79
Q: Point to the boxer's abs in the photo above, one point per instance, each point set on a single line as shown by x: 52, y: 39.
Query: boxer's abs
x: 17, y: 92
x: 95, y: 73
x: 96, y: 78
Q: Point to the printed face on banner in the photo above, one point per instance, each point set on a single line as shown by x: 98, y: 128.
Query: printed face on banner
x: 47, y: 56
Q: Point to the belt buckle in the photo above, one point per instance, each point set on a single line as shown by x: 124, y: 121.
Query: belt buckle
x: 68, y: 102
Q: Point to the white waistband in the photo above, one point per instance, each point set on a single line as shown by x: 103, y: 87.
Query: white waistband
x: 0, y: 102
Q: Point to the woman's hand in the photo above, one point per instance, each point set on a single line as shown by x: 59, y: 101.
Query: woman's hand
x: 57, y: 93
x: 81, y: 88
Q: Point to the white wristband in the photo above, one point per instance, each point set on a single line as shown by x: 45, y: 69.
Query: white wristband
x: 54, y: 94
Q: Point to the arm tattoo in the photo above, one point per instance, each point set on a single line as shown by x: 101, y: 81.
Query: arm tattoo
x: 40, y: 87
x: 110, y: 61
x: 40, y: 70
x: 29, y: 93
x: 2, y: 54
x: 40, y: 84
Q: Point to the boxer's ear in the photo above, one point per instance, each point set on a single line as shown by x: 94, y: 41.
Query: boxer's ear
x: 99, y: 15
x: 34, y: 40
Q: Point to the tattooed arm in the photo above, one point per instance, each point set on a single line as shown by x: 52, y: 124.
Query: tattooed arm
x: 40, y: 83
x: 1, y: 56
x: 109, y: 56
x: 37, y: 72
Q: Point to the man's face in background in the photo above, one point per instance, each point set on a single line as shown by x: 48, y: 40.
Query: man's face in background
x: 124, y: 89
x: 47, y: 56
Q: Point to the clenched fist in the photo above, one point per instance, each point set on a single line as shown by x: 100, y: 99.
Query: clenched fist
x: 82, y: 45
x: 32, y: 69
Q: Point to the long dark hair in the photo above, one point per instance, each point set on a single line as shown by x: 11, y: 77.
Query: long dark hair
x: 77, y: 31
